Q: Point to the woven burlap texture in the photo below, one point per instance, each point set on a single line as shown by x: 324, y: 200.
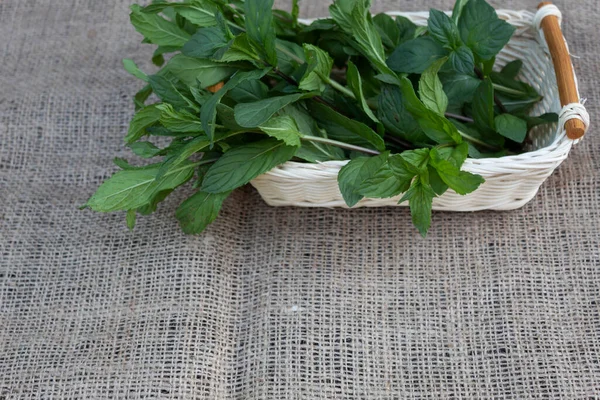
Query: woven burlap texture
x: 270, y: 303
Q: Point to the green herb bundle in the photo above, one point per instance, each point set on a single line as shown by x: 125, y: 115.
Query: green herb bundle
x: 247, y: 88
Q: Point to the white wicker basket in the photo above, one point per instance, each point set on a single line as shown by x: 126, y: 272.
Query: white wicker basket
x: 510, y: 182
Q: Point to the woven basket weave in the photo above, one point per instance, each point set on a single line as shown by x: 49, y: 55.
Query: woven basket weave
x: 510, y: 182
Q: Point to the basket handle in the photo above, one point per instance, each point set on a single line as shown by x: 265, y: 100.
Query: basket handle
x: 565, y: 76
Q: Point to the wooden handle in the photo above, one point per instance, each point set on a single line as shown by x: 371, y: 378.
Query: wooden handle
x: 564, y: 70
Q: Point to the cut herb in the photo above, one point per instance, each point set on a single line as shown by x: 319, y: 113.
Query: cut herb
x: 247, y: 88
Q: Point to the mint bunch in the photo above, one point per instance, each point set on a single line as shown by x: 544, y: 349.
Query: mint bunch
x: 243, y: 88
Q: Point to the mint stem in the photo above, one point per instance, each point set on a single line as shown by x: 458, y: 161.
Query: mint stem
x: 342, y: 145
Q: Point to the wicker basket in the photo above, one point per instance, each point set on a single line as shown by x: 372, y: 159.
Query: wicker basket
x: 510, y: 182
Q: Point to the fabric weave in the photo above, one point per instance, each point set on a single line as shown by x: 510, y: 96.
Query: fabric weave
x: 271, y: 303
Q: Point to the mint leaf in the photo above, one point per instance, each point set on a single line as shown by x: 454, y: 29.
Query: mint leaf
x: 250, y: 115
x: 319, y: 65
x: 190, y: 70
x: 420, y: 199
x: 156, y: 29
x: 261, y: 28
x: 143, y: 119
x: 388, y: 30
x: 482, y: 30
x: 208, y: 113
x: 283, y: 128
x: 459, y: 88
x: 458, y: 7
x: 344, y: 129
x: 199, y: 211
x: 443, y: 29
x: 144, y: 149
x: 416, y: 55
x: 133, y: 69
x: 178, y: 121
x: 511, y: 127
x: 249, y: 91
x: 407, y: 29
x: 431, y: 90
x: 512, y: 69
x: 384, y: 184
x: 483, y: 105
x: 131, y: 189
x: 243, y: 163
x: 355, y: 19
x: 198, y: 12
x: 460, y: 181
x: 396, y: 119
x: 355, y: 84
x: 237, y: 49
x: 436, y: 127
x: 461, y: 60
x: 353, y: 174
x: 205, y: 42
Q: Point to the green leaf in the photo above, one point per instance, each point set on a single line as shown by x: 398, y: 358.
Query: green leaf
x: 133, y: 69
x: 355, y: 19
x: 317, y: 72
x: 261, y: 28
x: 543, y: 119
x: 420, y: 198
x: 198, y: 12
x: 431, y: 90
x: 435, y: 126
x: 168, y: 92
x: 443, y: 29
x: 249, y: 91
x: 143, y: 119
x: 156, y: 29
x: 199, y: 211
x: 461, y: 182
x: 283, y: 128
x: 354, y: 173
x: 396, y: 119
x: 482, y: 30
x: 179, y: 121
x: 461, y: 60
x: 483, y: 105
x: 406, y: 29
x: 457, y: 11
x: 459, y: 88
x: 191, y: 70
x: 388, y: 29
x: 511, y: 127
x: 414, y: 161
x: 131, y: 214
x: 145, y: 149
x: 311, y: 151
x: 237, y: 49
x: 241, y: 164
x: 512, y: 69
x: 355, y: 84
x: 131, y: 189
x: 344, y: 129
x: 416, y: 55
x: 142, y: 96
x: 205, y: 42
x: 384, y: 184
x: 208, y: 113
x: 250, y: 115
x: 437, y: 184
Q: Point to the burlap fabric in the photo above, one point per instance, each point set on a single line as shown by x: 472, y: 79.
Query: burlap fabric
x: 270, y: 303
